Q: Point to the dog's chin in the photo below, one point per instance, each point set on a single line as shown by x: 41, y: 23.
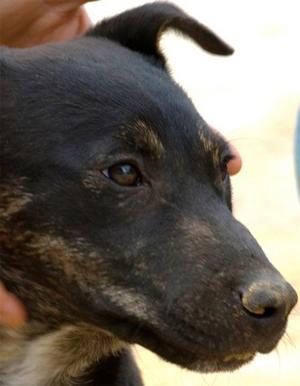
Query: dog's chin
x: 206, y: 364
x: 228, y: 363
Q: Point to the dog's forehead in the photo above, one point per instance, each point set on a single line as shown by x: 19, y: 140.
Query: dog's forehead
x: 104, y: 89
x: 157, y: 108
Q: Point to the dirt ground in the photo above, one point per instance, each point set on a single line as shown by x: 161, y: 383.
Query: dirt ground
x: 251, y: 97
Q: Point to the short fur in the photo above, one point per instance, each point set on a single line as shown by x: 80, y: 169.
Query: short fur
x: 98, y: 265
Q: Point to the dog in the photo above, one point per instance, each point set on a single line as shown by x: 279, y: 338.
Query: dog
x: 116, y: 217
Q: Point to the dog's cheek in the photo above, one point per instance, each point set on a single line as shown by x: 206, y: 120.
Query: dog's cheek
x: 100, y: 189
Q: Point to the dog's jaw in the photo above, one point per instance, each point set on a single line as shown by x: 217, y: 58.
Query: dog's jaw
x: 228, y: 363
x: 53, y: 358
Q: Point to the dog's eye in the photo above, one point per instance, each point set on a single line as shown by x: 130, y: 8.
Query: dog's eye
x: 124, y: 174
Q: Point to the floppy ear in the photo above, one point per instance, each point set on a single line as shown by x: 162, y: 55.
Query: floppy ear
x: 140, y: 30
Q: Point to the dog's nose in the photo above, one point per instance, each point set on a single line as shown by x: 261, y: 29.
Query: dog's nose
x: 269, y: 299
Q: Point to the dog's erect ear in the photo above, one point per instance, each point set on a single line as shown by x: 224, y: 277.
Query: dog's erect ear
x: 140, y: 30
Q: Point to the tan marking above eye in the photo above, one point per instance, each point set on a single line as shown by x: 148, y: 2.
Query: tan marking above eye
x: 143, y: 137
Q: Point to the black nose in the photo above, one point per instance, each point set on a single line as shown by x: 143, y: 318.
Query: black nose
x: 267, y: 298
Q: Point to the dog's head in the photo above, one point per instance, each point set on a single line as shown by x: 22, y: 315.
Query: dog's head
x: 116, y: 203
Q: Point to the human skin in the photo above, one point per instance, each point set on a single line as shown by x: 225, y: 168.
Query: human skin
x: 12, y: 312
x: 33, y: 22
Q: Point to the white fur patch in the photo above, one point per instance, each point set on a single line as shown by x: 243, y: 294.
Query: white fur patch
x: 55, y: 358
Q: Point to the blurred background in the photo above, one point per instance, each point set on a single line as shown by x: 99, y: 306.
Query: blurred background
x: 252, y: 97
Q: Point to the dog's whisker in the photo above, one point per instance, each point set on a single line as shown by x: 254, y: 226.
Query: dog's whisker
x: 279, y: 364
x: 288, y: 339
x: 246, y: 139
x: 207, y: 381
x: 295, y: 312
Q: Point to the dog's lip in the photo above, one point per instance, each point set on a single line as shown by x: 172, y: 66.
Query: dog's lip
x: 183, y: 355
x: 149, y: 335
x: 244, y: 357
x: 195, y: 361
x: 176, y: 349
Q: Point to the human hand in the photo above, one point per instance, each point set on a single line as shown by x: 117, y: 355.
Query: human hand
x: 12, y: 313
x: 235, y: 164
x: 32, y: 22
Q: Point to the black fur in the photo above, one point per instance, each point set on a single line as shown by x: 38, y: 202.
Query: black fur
x: 119, y: 370
x: 162, y: 263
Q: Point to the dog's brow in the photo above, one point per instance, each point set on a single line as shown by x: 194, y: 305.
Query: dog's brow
x: 213, y: 144
x: 143, y: 137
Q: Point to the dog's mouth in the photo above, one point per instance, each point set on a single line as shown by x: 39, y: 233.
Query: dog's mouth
x: 189, y: 347
x: 178, y: 350
x: 190, y: 359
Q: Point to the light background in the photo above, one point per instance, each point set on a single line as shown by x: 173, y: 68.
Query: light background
x: 252, y: 98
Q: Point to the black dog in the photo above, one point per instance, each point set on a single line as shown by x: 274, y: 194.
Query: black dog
x: 116, y: 223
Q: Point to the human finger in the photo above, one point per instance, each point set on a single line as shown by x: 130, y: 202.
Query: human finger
x: 12, y: 312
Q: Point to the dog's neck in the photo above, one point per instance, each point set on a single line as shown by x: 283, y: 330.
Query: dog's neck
x: 57, y: 358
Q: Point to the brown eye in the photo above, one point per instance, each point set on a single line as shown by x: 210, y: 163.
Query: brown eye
x: 124, y: 174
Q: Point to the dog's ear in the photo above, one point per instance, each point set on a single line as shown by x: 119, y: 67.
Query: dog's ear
x: 140, y: 29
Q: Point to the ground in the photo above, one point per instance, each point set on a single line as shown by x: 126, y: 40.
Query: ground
x: 252, y: 98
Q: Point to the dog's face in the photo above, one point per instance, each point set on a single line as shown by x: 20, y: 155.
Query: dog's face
x: 116, y: 201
